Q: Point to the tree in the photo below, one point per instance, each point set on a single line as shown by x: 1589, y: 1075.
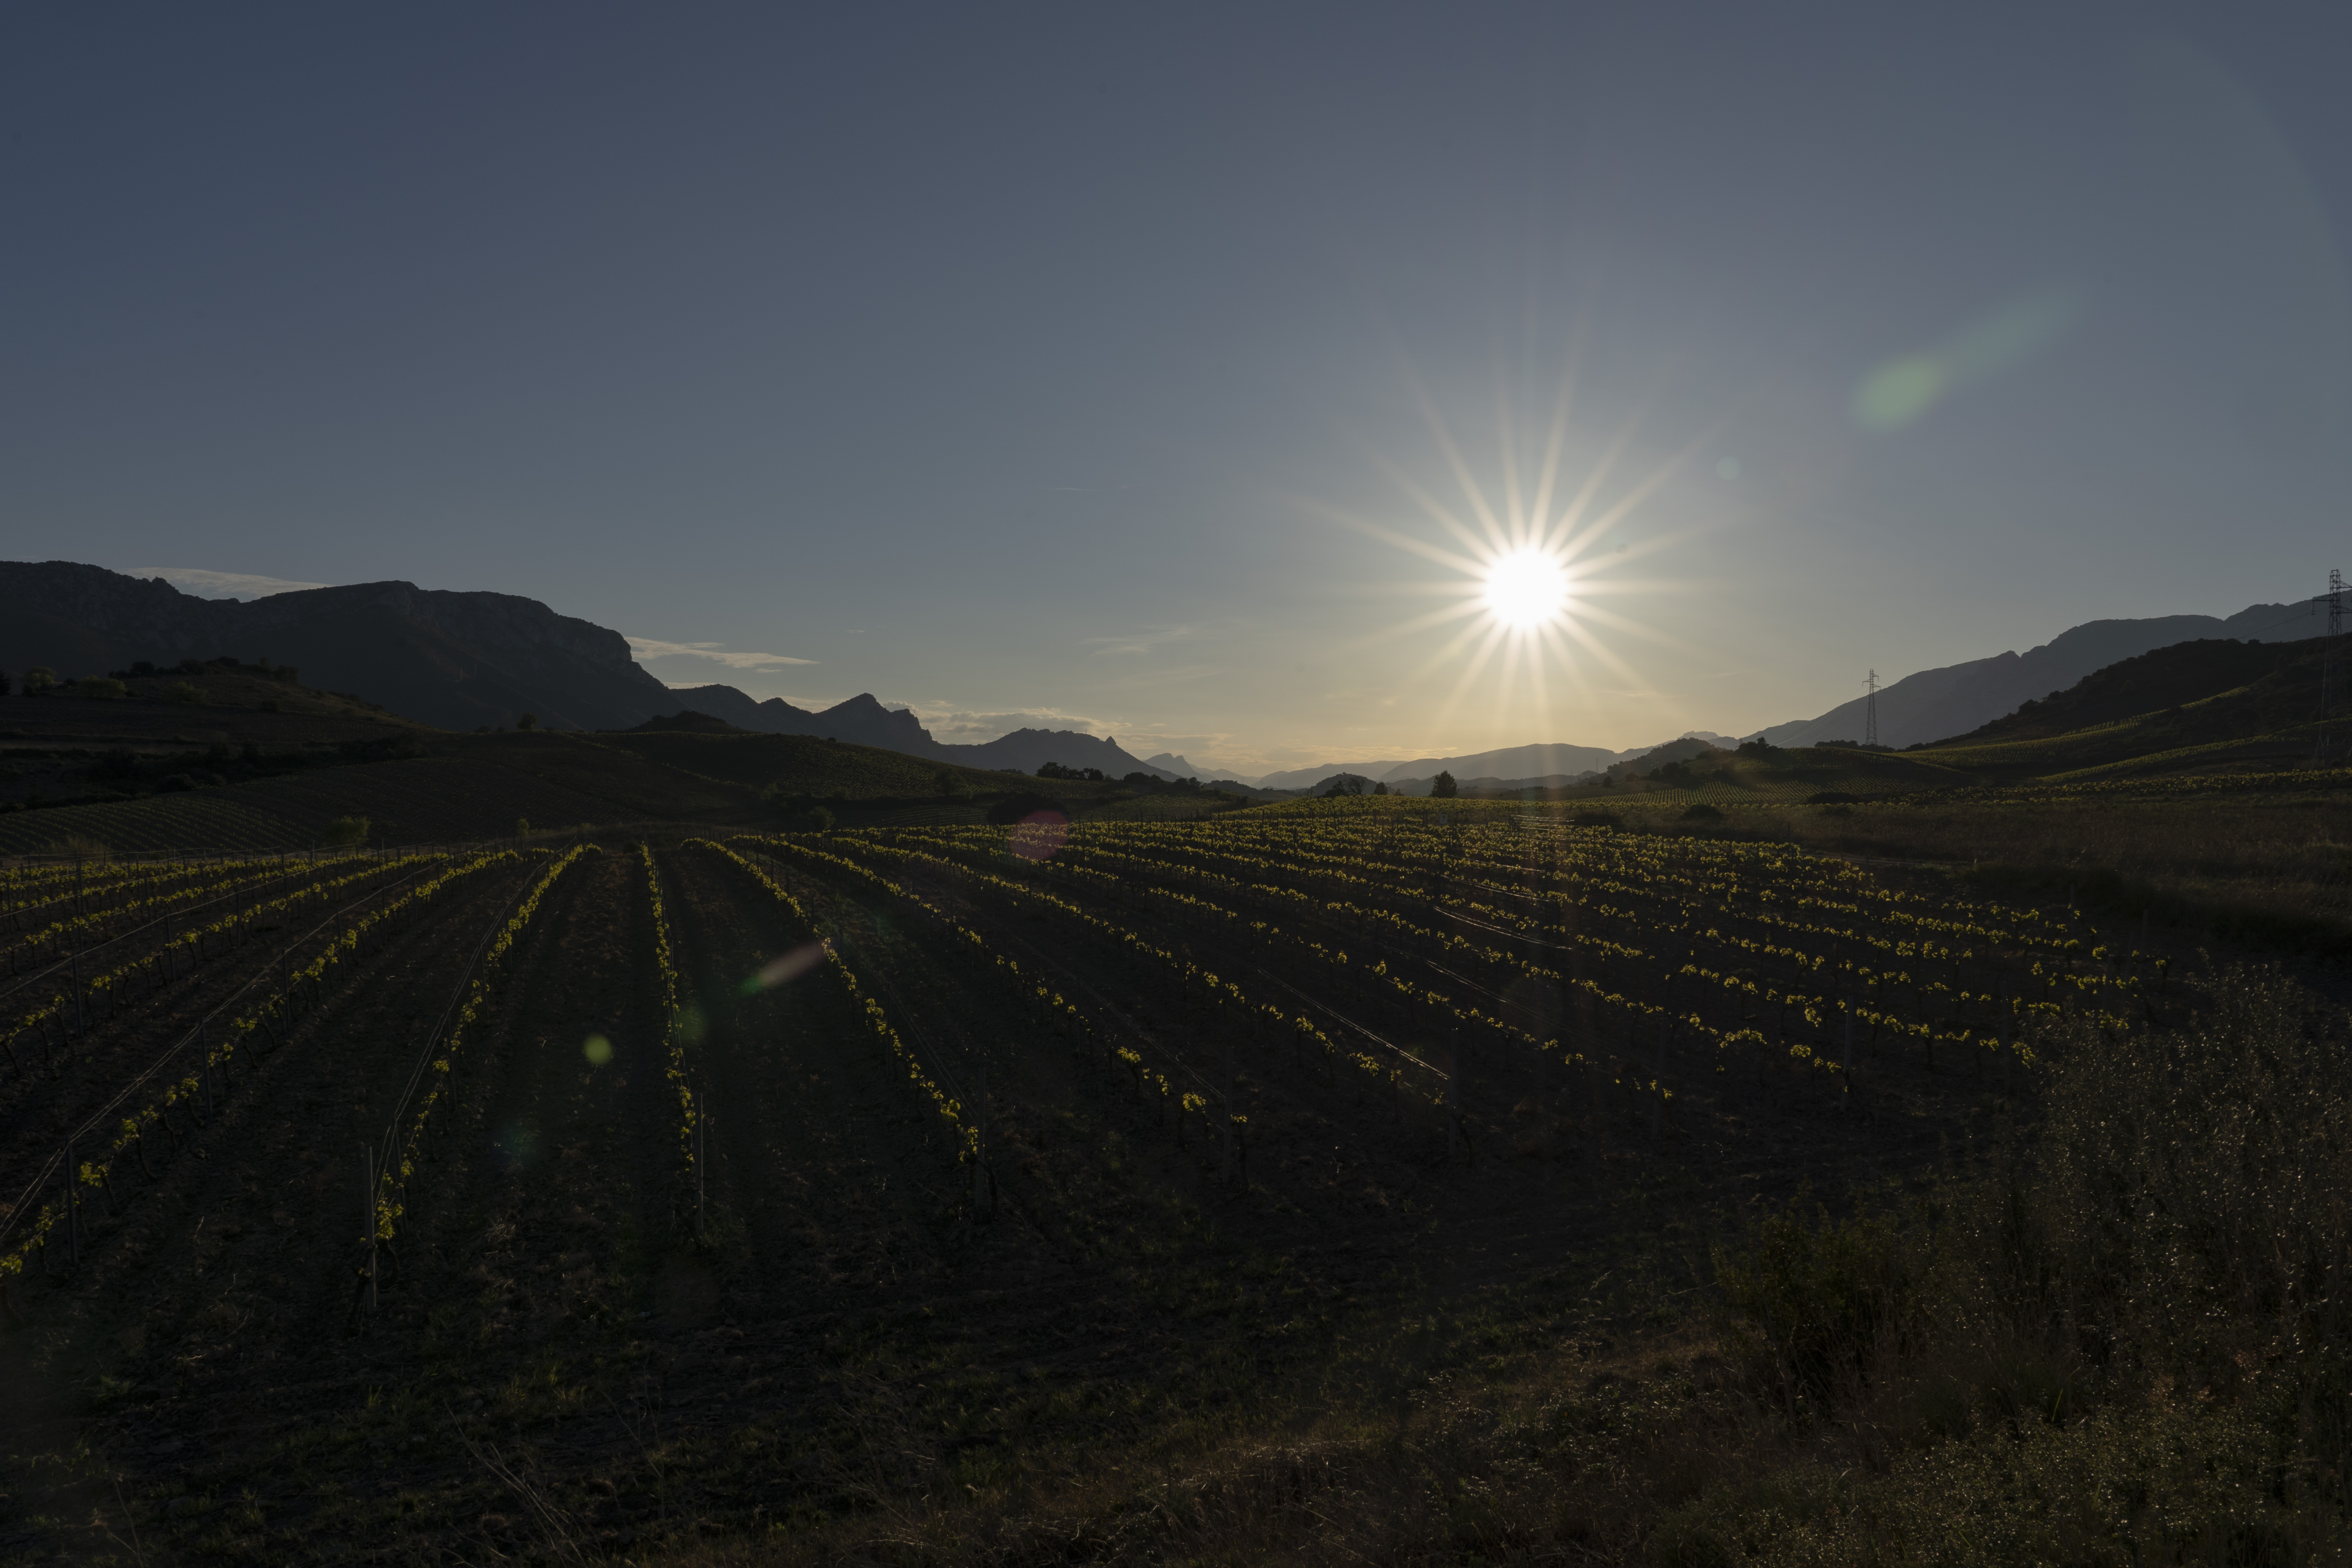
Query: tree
x: 522, y: 827
x: 100, y: 685
x: 351, y: 830
x: 1443, y: 787
x: 1379, y: 788
x: 528, y: 722
x: 1342, y: 786
x: 184, y: 691
x: 41, y: 678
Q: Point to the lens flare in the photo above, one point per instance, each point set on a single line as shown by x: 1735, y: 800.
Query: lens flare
x: 785, y: 969
x: 598, y: 1051
x: 1036, y: 835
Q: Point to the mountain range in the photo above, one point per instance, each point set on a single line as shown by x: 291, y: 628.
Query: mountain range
x: 453, y: 660
x: 865, y: 721
x: 458, y: 662
x: 1509, y: 762
x: 473, y: 661
x: 1935, y: 704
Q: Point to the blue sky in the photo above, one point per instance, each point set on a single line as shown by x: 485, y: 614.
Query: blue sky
x: 1105, y: 366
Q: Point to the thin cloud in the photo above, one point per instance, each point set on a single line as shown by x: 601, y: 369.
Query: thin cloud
x: 207, y: 585
x: 718, y: 653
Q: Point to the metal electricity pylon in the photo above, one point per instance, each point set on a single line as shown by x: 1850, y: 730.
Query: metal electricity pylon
x: 2331, y: 657
x: 1870, y: 712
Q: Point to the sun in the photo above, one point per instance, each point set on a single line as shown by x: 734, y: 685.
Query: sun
x: 1526, y: 589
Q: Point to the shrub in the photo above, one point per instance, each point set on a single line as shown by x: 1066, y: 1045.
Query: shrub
x: 1816, y: 1308
x: 103, y: 688
x: 1699, y: 811
x: 184, y: 691
x: 345, y: 830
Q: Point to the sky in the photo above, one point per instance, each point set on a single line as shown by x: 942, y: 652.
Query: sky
x: 1175, y: 372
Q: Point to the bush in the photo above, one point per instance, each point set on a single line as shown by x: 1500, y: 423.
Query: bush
x: 1816, y: 1308
x: 39, y: 678
x: 345, y: 830
x: 184, y: 691
x: 2122, y: 1343
x: 104, y: 687
x: 1699, y: 811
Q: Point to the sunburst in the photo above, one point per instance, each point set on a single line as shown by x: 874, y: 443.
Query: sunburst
x: 1527, y: 564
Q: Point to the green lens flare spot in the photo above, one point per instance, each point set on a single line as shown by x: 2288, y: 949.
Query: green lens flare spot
x: 598, y: 1051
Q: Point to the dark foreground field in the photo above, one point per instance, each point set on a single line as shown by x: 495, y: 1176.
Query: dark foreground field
x: 1322, y: 1184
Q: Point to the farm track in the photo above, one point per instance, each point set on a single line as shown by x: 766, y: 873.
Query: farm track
x: 227, y: 1280
x: 54, y: 1092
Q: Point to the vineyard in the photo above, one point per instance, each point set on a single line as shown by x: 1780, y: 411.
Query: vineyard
x: 584, y: 1197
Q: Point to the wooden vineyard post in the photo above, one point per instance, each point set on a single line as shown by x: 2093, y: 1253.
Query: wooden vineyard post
x: 983, y: 1179
x: 367, y: 1178
x: 1658, y: 1110
x: 1845, y: 1064
x: 81, y: 1025
x: 73, y: 1211
x: 1233, y: 1126
x: 701, y: 1146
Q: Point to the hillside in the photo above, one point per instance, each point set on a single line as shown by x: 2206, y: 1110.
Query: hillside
x: 2167, y: 712
x: 456, y: 660
x: 2168, y: 677
x: 138, y: 775
x: 1955, y: 698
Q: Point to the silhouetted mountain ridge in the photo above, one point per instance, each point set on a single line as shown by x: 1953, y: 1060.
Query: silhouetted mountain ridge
x: 454, y: 660
x: 1958, y: 698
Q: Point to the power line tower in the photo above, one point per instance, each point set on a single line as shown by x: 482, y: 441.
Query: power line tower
x: 2331, y: 658
x: 1870, y: 712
